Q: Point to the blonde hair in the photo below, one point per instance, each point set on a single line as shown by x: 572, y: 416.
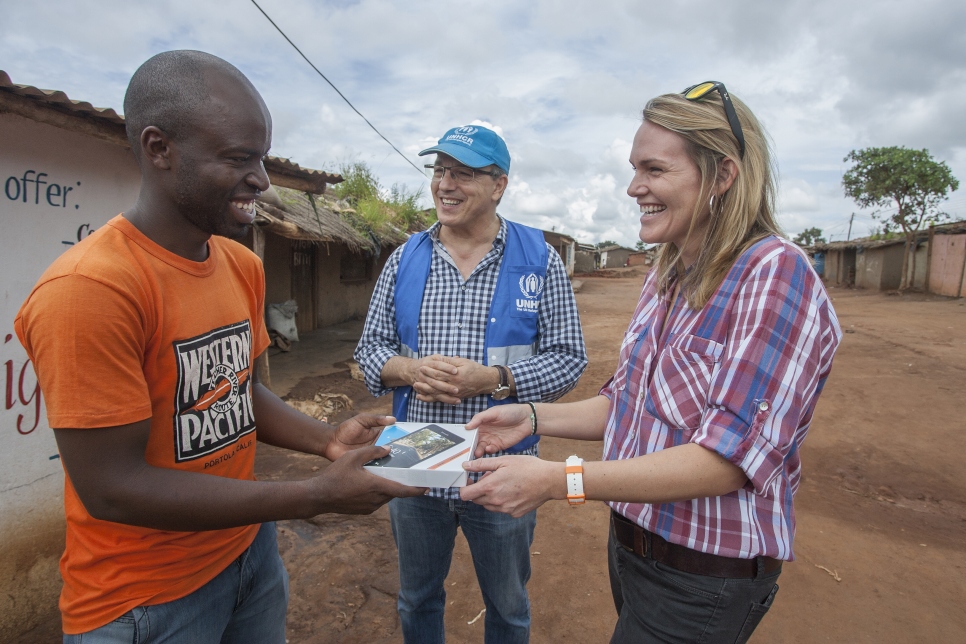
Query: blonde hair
x: 739, y: 217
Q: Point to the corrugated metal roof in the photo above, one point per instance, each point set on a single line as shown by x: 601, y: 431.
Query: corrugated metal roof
x: 952, y: 228
x: 59, y: 101
x: 56, y: 98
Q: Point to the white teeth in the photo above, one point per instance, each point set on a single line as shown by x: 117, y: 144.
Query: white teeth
x: 652, y: 209
x: 450, y: 202
x: 247, y: 206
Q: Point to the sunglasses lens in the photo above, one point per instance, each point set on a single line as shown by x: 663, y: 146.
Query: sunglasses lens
x: 698, y: 91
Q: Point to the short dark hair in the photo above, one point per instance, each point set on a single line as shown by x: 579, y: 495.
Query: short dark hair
x: 168, y: 89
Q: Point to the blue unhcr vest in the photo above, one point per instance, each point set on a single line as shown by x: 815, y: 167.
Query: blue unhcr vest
x: 513, y: 328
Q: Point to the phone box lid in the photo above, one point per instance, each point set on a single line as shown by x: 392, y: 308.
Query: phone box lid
x: 425, y: 454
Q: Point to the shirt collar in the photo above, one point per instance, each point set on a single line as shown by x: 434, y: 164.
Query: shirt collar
x: 499, y: 242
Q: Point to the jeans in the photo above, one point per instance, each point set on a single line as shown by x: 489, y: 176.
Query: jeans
x: 246, y: 603
x: 424, y: 528
x: 656, y: 603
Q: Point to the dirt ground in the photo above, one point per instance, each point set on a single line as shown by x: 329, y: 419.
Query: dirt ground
x: 881, y: 511
x: 881, y: 541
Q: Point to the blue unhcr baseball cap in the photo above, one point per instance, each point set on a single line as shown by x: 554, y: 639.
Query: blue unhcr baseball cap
x: 474, y: 146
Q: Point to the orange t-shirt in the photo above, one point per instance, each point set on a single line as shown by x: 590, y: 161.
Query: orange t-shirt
x: 121, y: 330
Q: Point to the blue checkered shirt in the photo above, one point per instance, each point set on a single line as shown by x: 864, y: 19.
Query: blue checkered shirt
x: 452, y: 322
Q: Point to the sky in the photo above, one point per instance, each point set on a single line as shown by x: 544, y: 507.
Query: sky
x: 564, y: 82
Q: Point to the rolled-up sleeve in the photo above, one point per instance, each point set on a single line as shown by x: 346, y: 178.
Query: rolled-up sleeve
x: 781, y: 337
x: 379, y: 341
x: 561, y: 356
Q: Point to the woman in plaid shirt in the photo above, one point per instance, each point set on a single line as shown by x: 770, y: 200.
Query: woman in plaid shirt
x: 715, y: 388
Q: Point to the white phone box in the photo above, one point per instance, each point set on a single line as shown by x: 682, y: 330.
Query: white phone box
x: 425, y: 454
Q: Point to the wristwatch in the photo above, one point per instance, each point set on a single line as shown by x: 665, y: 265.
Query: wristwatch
x: 503, y: 390
x: 575, y: 480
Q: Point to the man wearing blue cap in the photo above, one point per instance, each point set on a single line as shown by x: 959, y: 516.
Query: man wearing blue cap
x: 477, y: 311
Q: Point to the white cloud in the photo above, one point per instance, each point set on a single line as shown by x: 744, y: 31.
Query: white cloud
x: 565, y: 83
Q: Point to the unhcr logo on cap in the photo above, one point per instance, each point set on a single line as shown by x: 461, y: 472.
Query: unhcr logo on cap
x: 475, y: 146
x: 462, y: 138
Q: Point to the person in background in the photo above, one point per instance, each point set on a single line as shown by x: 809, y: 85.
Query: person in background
x: 715, y: 388
x: 144, y: 337
x: 475, y: 312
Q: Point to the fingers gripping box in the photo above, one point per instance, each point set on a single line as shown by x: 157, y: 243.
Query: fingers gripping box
x: 425, y: 455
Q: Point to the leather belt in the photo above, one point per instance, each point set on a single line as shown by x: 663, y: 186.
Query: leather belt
x: 653, y: 546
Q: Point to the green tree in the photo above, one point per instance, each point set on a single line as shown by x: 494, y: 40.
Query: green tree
x: 910, y: 181
x: 809, y: 237
x: 605, y: 244
x: 375, y: 208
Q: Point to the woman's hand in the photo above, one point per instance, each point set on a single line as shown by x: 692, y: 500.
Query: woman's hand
x: 515, y: 485
x: 358, y: 431
x: 500, y: 427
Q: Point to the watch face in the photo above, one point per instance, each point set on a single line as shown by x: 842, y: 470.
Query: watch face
x: 500, y: 393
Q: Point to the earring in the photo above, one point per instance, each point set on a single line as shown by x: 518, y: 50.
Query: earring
x: 711, y: 203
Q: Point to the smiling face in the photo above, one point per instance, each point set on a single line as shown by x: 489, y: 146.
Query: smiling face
x: 666, y: 186
x: 466, y: 205
x: 218, y: 160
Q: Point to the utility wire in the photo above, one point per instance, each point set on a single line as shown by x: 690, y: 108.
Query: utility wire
x: 348, y: 102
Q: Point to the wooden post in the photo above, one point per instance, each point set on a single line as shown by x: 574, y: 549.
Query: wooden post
x: 258, y: 243
x: 261, y: 362
x: 932, y: 237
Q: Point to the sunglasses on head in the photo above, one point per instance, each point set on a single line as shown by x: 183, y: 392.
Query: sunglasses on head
x: 699, y: 91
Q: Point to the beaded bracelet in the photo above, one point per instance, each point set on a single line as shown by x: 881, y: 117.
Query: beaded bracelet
x: 533, y: 419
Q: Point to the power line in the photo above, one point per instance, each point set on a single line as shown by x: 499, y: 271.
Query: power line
x: 348, y: 102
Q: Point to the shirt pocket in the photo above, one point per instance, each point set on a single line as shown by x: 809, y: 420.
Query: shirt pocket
x: 678, y: 392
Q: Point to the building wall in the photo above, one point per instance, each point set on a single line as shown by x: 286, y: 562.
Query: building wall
x: 922, y: 261
x: 564, y: 246
x: 832, y: 264
x: 840, y: 266
x: 947, y: 265
x: 637, y: 259
x: 278, y: 269
x: 879, y: 268
x: 94, y: 181
x: 335, y: 300
x: 339, y: 301
x: 584, y: 262
x: 566, y: 250
x: 614, y: 258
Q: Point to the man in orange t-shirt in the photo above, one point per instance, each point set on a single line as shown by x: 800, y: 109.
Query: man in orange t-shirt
x: 144, y: 337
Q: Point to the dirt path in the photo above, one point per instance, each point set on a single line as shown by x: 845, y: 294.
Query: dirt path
x: 882, y: 504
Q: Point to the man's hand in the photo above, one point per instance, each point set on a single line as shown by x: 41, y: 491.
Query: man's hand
x: 500, y: 428
x: 344, y: 487
x: 450, y: 379
x: 357, y: 432
x: 515, y: 485
x: 430, y: 377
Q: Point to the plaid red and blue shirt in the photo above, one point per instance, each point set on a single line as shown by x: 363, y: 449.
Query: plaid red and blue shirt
x: 740, y: 377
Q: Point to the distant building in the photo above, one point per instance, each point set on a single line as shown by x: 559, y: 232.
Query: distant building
x: 565, y: 247
x: 585, y: 258
x: 946, y: 268
x: 940, y: 261
x: 614, y: 256
x: 642, y: 257
x: 313, y: 256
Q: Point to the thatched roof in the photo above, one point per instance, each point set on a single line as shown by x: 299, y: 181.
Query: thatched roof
x: 290, y: 213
